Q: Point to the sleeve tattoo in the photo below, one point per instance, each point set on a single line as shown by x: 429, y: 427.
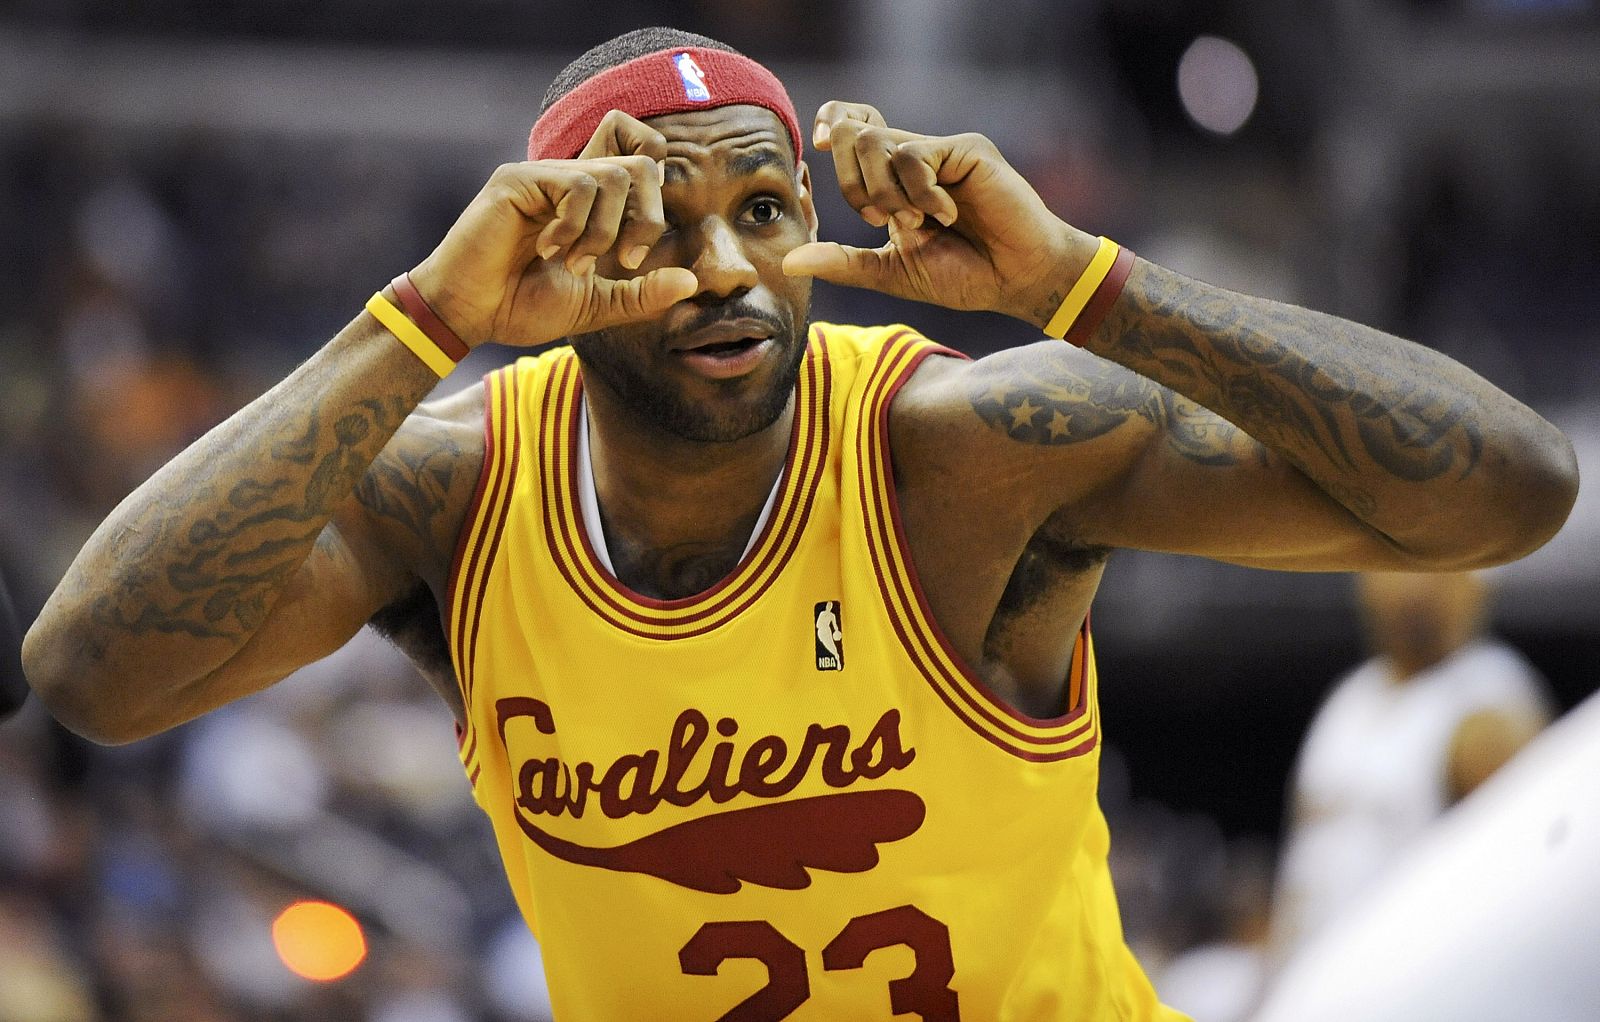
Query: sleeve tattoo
x: 1046, y: 402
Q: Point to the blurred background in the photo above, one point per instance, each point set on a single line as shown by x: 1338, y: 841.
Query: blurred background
x: 195, y: 194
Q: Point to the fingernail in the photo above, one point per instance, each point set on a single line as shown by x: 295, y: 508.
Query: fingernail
x: 821, y: 135
x: 908, y: 219
x: 635, y: 256
x: 945, y: 218
x: 583, y: 265
x: 661, y: 172
x: 549, y: 251
x: 874, y: 216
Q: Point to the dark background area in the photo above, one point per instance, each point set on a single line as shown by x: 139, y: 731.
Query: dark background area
x: 195, y: 195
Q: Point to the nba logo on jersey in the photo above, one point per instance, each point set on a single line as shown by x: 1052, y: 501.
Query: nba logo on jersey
x: 694, y: 79
x: 830, y: 637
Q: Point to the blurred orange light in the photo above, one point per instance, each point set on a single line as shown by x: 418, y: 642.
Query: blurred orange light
x: 319, y: 941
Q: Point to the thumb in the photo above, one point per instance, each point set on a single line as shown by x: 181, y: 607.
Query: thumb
x: 843, y: 264
x: 623, y: 301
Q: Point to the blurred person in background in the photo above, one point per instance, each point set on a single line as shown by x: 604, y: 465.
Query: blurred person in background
x: 674, y: 245
x: 1440, y: 706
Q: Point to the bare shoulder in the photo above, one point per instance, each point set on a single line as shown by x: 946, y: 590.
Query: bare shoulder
x: 417, y: 492
x: 1002, y: 419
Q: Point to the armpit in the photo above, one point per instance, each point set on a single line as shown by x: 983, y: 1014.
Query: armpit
x: 412, y: 624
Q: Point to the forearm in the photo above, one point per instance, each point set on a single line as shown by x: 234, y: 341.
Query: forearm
x: 1433, y: 456
x: 181, y: 574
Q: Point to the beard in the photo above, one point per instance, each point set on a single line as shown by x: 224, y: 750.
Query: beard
x: 617, y: 357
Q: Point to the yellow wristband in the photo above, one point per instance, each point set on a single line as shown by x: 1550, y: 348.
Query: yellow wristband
x: 410, y: 335
x: 1093, y: 276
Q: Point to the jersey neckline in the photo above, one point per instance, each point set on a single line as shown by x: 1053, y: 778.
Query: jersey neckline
x: 573, y: 551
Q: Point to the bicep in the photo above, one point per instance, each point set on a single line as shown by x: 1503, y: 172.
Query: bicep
x: 1243, y: 504
x: 335, y: 591
x: 392, y: 534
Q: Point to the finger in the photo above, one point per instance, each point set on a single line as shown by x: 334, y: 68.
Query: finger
x: 875, y: 151
x: 835, y: 112
x: 573, y: 195
x: 642, y: 297
x: 643, y: 220
x: 605, y: 215
x: 847, y: 151
x: 847, y: 169
x: 874, y: 268
x: 622, y: 134
x: 916, y: 166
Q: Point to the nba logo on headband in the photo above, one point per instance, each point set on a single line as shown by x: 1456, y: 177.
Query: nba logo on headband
x: 694, y: 79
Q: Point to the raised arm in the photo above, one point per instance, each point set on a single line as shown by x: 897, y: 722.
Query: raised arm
x: 270, y: 540
x: 192, y: 565
x: 1359, y: 449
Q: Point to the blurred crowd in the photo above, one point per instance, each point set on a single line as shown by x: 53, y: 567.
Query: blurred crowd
x: 156, y: 282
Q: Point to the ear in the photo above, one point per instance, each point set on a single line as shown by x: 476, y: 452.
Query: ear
x: 802, y: 184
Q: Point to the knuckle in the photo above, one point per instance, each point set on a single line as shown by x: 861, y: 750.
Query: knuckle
x: 505, y: 177
x: 845, y: 130
x: 641, y: 167
x: 870, y: 136
x: 906, y: 156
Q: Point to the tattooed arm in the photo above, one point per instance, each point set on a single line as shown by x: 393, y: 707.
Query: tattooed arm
x: 262, y: 547
x: 1379, y: 443
x: 1428, y: 461
x: 268, y: 542
x: 1104, y: 457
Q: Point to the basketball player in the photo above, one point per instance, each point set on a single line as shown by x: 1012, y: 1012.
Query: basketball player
x: 617, y: 560
x: 1438, y: 708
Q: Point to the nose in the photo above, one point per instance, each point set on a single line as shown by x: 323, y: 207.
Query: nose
x: 720, y: 263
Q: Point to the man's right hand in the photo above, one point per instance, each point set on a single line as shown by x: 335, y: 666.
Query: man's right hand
x: 518, y: 267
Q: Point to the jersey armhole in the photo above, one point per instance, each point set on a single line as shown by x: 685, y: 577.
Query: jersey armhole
x: 1069, y: 735
x: 479, y: 539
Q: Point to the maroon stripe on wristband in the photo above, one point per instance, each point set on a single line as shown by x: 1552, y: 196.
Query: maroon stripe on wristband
x: 428, y: 321
x: 1101, y: 301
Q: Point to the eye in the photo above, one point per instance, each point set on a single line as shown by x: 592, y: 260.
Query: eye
x: 764, y: 211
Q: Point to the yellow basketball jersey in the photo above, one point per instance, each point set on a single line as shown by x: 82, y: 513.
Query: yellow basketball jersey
x: 786, y: 797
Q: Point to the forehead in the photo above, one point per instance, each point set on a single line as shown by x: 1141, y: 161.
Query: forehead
x: 722, y: 134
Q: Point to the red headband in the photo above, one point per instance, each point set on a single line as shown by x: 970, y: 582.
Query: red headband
x: 664, y: 82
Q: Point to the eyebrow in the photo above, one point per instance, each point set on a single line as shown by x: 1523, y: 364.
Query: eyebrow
x: 743, y: 165
x: 746, y: 164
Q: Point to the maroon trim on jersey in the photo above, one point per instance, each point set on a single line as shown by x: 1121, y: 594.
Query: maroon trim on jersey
x: 875, y: 435
x: 511, y: 424
x: 458, y: 562
x: 610, y: 598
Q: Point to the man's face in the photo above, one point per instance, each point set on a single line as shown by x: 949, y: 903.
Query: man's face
x: 1419, y: 619
x: 721, y: 365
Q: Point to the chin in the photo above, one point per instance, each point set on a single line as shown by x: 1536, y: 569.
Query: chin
x: 721, y: 420
x: 686, y: 407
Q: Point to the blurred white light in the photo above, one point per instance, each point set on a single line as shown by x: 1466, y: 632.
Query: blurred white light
x: 1217, y: 84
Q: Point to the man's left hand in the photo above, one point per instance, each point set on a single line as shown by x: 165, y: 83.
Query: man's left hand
x: 966, y: 231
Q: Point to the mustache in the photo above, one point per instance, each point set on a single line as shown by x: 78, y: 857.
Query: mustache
x: 734, y: 309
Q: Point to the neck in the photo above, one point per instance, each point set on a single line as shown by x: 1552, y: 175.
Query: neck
x: 677, y: 513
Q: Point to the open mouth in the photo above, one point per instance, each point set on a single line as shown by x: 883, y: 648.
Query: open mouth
x: 722, y: 348
x: 727, y: 359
